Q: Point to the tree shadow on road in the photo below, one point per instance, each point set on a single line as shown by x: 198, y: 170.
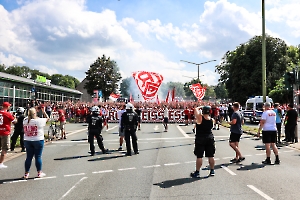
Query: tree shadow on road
x: 107, y: 158
x: 177, y: 182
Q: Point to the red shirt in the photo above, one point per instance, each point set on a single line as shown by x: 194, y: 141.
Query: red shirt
x: 62, y: 118
x: 186, y: 112
x: 5, y: 121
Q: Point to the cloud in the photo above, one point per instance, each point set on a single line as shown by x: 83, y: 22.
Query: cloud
x: 10, y: 59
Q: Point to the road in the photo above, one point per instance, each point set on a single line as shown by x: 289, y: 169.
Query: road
x: 160, y: 171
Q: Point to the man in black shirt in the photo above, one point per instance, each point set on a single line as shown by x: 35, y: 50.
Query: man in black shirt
x: 95, y: 124
x: 19, y: 131
x: 129, y: 122
x: 138, y: 112
x: 290, y: 122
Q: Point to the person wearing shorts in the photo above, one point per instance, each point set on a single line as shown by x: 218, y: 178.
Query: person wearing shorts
x: 204, y: 140
x: 62, y: 122
x: 5, y: 125
x: 269, y: 133
x: 236, y: 132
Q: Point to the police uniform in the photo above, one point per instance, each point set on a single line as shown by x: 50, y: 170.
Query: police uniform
x: 129, y: 122
x: 19, y: 131
x: 94, y: 130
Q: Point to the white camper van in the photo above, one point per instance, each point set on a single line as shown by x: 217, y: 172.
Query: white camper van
x: 254, y: 108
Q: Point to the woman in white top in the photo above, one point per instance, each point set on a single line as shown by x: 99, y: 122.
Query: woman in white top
x: 34, y: 140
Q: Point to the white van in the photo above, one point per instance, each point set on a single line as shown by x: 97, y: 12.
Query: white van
x: 254, y: 108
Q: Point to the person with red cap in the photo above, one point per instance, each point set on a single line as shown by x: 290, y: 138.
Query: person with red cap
x: 5, y: 122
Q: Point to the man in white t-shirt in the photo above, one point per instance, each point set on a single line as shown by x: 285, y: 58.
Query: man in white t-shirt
x: 166, y: 118
x: 121, y: 133
x: 269, y: 132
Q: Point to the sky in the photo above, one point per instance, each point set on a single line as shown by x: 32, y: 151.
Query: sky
x: 67, y: 36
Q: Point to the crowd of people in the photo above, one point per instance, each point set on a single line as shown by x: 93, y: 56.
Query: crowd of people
x: 29, y: 123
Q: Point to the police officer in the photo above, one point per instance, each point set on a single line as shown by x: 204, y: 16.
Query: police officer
x: 19, y: 131
x: 95, y: 124
x: 129, y: 122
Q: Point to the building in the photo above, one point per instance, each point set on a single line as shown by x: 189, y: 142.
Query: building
x: 85, y: 96
x: 20, y: 91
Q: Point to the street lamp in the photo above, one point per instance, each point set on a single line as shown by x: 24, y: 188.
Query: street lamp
x: 198, y: 64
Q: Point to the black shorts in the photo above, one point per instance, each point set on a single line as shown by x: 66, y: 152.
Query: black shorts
x: 235, y: 137
x: 166, y: 120
x: 269, y: 136
x: 192, y: 117
x: 206, y: 145
x: 186, y: 117
x: 139, y: 119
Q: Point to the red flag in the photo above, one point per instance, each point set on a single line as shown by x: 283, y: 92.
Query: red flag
x: 131, y: 98
x: 167, y: 98
x: 173, y: 94
x: 157, y: 99
x: 198, y: 91
x: 148, y: 83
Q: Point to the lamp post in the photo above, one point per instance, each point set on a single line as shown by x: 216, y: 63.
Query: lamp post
x: 198, y: 64
x: 264, y: 76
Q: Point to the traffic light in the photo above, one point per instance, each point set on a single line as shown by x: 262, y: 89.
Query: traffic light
x: 289, y: 80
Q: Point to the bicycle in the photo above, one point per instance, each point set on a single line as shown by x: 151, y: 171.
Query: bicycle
x: 54, y: 131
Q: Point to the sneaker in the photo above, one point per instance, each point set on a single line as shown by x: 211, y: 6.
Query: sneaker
x: 104, y: 151
x: 214, y: 129
x: 234, y: 160
x: 218, y: 128
x: 128, y: 154
x: 23, y: 150
x: 120, y: 149
x: 41, y: 174
x: 266, y: 162
x: 193, y: 130
x: 136, y: 152
x: 92, y: 154
x: 26, y: 176
x: 2, y: 166
x: 277, y: 162
x: 195, y: 174
x: 212, y: 172
x: 241, y: 159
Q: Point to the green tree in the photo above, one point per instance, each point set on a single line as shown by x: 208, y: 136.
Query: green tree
x: 221, y: 91
x: 241, y: 72
x: 103, y: 75
x: 165, y: 87
x: 2, y: 68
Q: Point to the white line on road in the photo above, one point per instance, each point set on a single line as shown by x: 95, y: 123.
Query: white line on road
x: 72, y: 188
x: 260, y: 154
x: 170, y: 164
x: 228, y: 170
x: 217, y: 158
x: 80, y: 174
x: 105, y: 171
x: 170, y: 141
x: 65, y: 145
x: 288, y: 151
x: 151, y: 166
x: 124, y: 169
x: 85, y: 129
x: 48, y: 177
x: 226, y: 157
x: 156, y: 142
x: 156, y: 127
x: 259, y: 192
x: 182, y: 132
x: 247, y: 155
x: 111, y: 128
x: 187, y: 162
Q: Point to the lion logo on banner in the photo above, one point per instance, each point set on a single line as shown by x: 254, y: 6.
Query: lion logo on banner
x: 148, y: 83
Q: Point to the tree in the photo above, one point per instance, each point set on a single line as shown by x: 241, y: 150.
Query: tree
x: 165, y: 87
x: 221, y: 91
x: 2, y: 68
x: 241, y: 72
x: 103, y: 75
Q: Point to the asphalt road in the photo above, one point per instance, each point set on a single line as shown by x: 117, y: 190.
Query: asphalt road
x: 160, y: 171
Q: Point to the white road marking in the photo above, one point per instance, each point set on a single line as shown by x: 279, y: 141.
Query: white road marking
x: 228, y: 170
x: 217, y: 158
x: 288, y: 151
x: 124, y: 169
x: 72, y: 188
x: 48, y: 177
x: 156, y: 127
x: 260, y: 154
x: 143, y: 142
x: 182, y: 132
x: 111, y: 128
x: 104, y: 171
x: 113, y: 143
x: 190, y: 162
x: 259, y: 192
x: 85, y: 129
x: 15, y: 181
x: 151, y: 166
x: 170, y: 141
x: 247, y: 155
x: 80, y: 174
x: 156, y: 142
x: 226, y: 157
x: 170, y: 164
x: 65, y: 145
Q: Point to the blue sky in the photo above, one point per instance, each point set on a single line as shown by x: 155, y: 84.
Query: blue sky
x: 65, y: 37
